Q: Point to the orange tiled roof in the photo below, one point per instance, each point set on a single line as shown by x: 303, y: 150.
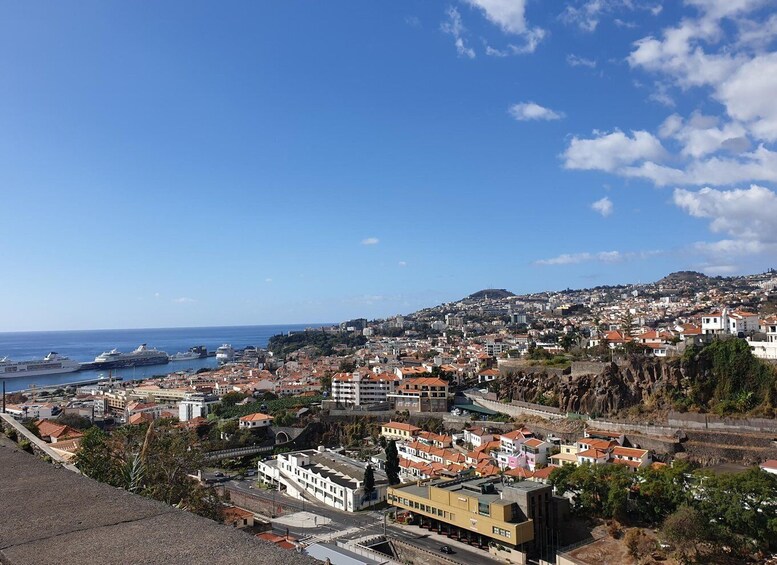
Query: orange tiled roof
x: 255, y: 417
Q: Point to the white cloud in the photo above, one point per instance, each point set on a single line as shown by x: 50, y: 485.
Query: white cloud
x: 370, y: 241
x: 455, y: 28
x: 714, y: 270
x: 603, y: 206
x: 747, y: 215
x: 587, y: 14
x: 525, y: 111
x: 612, y: 151
x: 413, y: 21
x: 758, y: 165
x: 184, y: 300
x: 509, y: 15
x: 576, y: 61
x: 748, y: 94
x: 700, y: 135
x: 600, y: 257
x: 403, y: 263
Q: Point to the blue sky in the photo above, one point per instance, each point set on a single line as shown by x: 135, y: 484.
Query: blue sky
x: 196, y: 163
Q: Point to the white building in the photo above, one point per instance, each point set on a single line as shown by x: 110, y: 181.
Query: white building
x: 193, y: 406
x: 362, y: 387
x: 334, y: 479
x: 725, y: 322
x: 714, y: 323
x: 34, y: 410
x: 766, y: 349
x: 255, y: 421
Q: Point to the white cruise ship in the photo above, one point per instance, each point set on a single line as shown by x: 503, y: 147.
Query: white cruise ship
x: 52, y: 364
x: 225, y: 354
x: 185, y: 356
x: 143, y: 355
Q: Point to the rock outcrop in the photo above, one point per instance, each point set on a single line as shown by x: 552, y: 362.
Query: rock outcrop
x: 617, y: 387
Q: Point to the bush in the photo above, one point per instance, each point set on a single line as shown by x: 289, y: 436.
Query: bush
x: 25, y: 445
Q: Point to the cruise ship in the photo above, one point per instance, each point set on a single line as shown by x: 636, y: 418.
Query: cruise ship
x: 52, y: 364
x: 143, y: 355
x: 225, y: 354
x: 196, y: 352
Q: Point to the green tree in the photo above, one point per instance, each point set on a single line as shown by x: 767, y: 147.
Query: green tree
x: 154, y: 460
x: 94, y: 457
x: 369, y: 483
x: 392, y: 462
x: 74, y: 421
x: 742, y: 506
x: 685, y: 528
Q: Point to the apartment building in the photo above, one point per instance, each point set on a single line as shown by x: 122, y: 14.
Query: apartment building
x: 362, y: 387
x: 420, y: 394
x: 332, y: 478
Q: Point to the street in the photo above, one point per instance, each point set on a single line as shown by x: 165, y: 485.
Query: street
x: 339, y: 525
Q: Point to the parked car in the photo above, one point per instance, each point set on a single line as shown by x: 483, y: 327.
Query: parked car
x: 446, y: 549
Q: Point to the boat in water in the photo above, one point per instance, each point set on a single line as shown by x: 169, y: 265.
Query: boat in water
x: 140, y: 357
x: 186, y: 356
x: 225, y: 354
x: 52, y: 364
x: 196, y: 352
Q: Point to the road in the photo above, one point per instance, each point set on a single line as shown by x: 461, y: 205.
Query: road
x: 352, y: 525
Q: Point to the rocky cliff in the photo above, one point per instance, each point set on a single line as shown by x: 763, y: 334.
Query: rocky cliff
x: 615, y: 388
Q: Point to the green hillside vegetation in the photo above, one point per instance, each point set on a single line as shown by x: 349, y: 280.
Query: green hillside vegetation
x: 727, y: 378
x: 697, y: 511
x: 323, y: 343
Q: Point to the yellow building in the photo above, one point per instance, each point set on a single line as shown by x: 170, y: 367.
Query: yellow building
x: 481, y: 510
x: 399, y: 430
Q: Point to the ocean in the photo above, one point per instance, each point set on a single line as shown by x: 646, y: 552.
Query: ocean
x: 85, y: 345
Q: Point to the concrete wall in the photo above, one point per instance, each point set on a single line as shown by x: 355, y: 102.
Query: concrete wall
x: 712, y: 422
x: 607, y: 426
x: 517, y: 409
x: 38, y: 445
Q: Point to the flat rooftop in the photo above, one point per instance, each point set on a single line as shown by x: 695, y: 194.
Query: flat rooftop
x: 52, y: 515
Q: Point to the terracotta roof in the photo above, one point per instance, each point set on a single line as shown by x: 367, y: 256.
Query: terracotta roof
x: 544, y: 473
x: 255, y: 417
x: 769, y: 464
x: 533, y: 442
x: 520, y: 473
x: 401, y: 426
x: 629, y: 452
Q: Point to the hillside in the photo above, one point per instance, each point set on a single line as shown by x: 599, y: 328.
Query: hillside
x: 493, y: 293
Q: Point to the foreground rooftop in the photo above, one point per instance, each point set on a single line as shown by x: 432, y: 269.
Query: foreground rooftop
x: 52, y: 515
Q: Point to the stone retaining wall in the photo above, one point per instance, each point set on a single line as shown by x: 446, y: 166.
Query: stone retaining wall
x: 712, y: 422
